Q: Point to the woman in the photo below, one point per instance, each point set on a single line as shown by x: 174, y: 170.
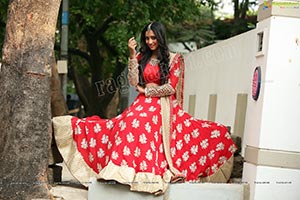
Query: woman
x: 153, y: 142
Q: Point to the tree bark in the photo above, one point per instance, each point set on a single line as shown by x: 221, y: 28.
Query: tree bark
x: 58, y: 108
x: 244, y: 9
x: 25, y: 118
x: 236, y: 9
x: 97, y: 93
x: 58, y: 102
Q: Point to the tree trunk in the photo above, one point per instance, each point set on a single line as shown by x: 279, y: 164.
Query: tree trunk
x: 236, y: 9
x: 244, y: 9
x: 25, y: 118
x: 96, y: 93
x: 58, y: 102
x: 58, y: 108
x: 94, y: 96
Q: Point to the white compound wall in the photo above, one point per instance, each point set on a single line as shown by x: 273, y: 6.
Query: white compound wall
x: 271, y: 136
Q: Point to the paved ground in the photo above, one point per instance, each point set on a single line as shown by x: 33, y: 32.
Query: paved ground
x: 69, y: 189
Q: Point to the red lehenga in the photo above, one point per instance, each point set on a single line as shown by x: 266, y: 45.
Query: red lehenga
x: 152, y: 143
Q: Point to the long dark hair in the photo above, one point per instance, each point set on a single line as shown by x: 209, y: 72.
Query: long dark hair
x: 162, y: 52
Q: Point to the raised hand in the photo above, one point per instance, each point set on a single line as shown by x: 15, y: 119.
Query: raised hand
x: 132, y: 44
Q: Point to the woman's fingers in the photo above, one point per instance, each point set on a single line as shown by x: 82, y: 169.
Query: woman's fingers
x: 132, y: 43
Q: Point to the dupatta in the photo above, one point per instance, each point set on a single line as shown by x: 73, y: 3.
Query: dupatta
x: 167, y: 113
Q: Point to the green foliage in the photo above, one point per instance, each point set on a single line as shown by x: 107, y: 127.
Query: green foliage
x: 117, y: 21
x: 197, y: 28
x: 99, y: 31
x: 244, y: 19
x: 3, y: 10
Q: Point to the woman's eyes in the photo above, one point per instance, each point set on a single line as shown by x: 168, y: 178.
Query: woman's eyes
x: 152, y: 38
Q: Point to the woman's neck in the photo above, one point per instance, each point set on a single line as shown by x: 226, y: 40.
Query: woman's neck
x: 154, y: 54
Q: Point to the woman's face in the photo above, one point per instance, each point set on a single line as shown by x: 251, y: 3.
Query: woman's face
x: 151, y: 40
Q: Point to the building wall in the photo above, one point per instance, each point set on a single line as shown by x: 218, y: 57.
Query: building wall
x: 224, y: 69
x: 281, y: 110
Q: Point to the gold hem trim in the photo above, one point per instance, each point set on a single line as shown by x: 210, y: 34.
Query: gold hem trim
x: 223, y: 173
x: 141, y: 181
x: 67, y: 147
x: 166, y: 127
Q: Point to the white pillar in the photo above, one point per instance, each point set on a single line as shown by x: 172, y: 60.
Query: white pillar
x: 272, y: 131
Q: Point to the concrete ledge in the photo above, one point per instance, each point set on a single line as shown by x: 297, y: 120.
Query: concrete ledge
x: 191, y: 191
x: 211, y: 191
x: 65, y: 192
